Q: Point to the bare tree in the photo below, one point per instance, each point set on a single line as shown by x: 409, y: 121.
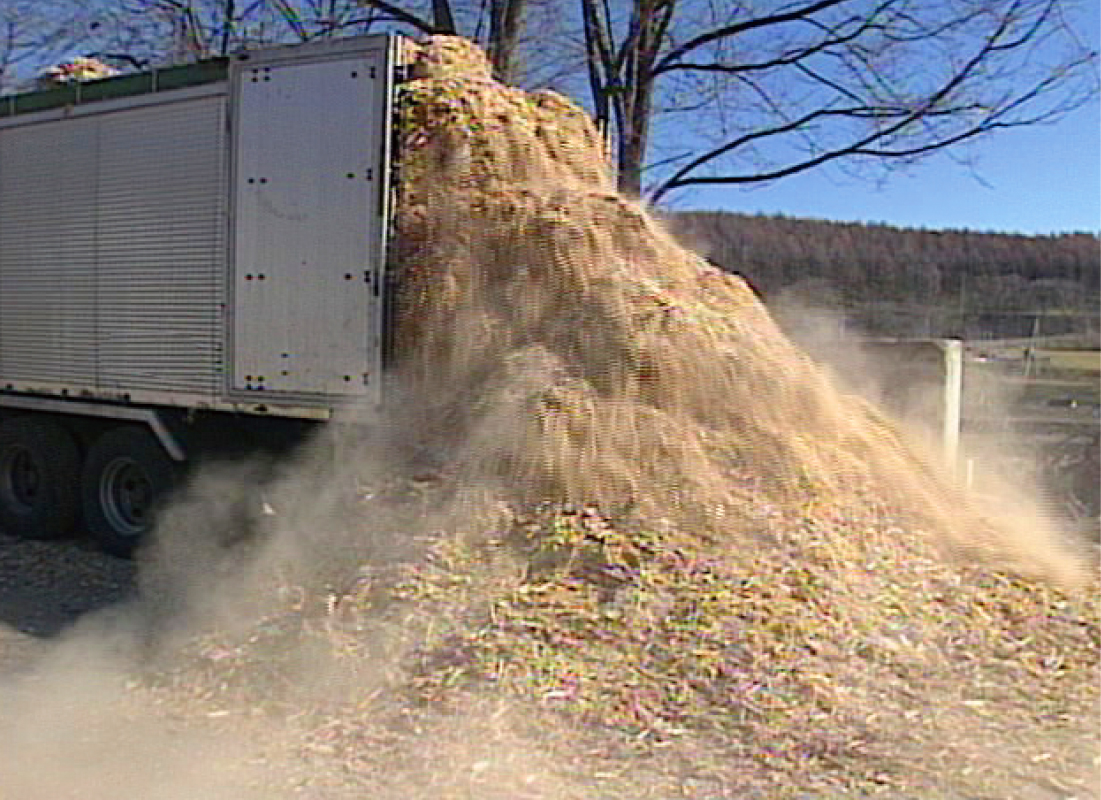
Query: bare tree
x: 10, y: 35
x: 142, y: 32
x: 506, y: 20
x: 622, y: 76
x: 784, y: 88
x: 135, y: 34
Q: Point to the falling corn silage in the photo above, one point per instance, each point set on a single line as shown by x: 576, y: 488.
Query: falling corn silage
x: 699, y: 530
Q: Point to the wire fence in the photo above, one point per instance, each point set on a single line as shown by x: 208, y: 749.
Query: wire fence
x: 902, y: 320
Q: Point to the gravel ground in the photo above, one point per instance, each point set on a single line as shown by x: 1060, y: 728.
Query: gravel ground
x: 47, y: 586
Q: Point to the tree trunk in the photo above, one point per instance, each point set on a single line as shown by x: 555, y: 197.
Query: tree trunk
x: 634, y: 141
x: 506, y: 18
x: 442, y: 17
x: 229, y: 14
x: 650, y: 20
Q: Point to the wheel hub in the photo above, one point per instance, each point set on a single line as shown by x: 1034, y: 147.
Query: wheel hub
x: 126, y: 496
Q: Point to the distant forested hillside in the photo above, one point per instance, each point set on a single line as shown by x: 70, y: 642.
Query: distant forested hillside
x: 905, y: 282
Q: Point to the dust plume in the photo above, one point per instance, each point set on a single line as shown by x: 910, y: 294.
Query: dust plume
x: 905, y: 379
x: 70, y: 729
x: 243, y: 655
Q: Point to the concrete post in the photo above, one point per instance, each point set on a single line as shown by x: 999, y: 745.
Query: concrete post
x: 924, y: 382
x: 953, y: 398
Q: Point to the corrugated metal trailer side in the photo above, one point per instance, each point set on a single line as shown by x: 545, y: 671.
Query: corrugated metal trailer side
x: 112, y: 248
x: 213, y: 246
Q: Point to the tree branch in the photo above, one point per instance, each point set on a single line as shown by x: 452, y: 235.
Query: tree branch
x: 930, y: 108
x: 741, y: 27
x: 401, y: 15
x: 786, y: 59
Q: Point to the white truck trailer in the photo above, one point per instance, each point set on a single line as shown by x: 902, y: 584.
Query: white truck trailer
x: 189, y: 257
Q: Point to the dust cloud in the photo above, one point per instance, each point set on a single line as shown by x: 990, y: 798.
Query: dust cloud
x: 1005, y: 488
x: 619, y: 536
x: 228, y: 672
x: 70, y: 729
x: 80, y: 722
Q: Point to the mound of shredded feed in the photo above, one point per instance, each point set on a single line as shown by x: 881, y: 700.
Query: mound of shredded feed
x: 701, y: 532
x: 79, y: 69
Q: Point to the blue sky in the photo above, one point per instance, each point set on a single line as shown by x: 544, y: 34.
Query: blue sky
x: 1034, y: 180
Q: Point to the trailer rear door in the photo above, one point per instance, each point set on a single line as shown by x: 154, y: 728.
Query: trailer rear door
x: 309, y: 223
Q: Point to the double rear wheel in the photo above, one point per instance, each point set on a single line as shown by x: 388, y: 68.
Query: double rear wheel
x: 45, y: 489
x: 125, y: 480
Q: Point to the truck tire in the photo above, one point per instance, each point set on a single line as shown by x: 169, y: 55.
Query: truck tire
x: 39, y: 478
x: 127, y: 477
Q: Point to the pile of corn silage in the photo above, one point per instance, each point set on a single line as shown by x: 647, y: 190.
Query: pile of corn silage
x: 694, y: 533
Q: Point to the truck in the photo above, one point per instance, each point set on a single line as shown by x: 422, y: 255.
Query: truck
x: 191, y: 258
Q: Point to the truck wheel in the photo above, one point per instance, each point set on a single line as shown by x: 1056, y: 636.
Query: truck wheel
x: 127, y: 477
x: 39, y: 475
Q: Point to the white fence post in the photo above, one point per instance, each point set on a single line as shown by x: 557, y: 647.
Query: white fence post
x: 953, y: 398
